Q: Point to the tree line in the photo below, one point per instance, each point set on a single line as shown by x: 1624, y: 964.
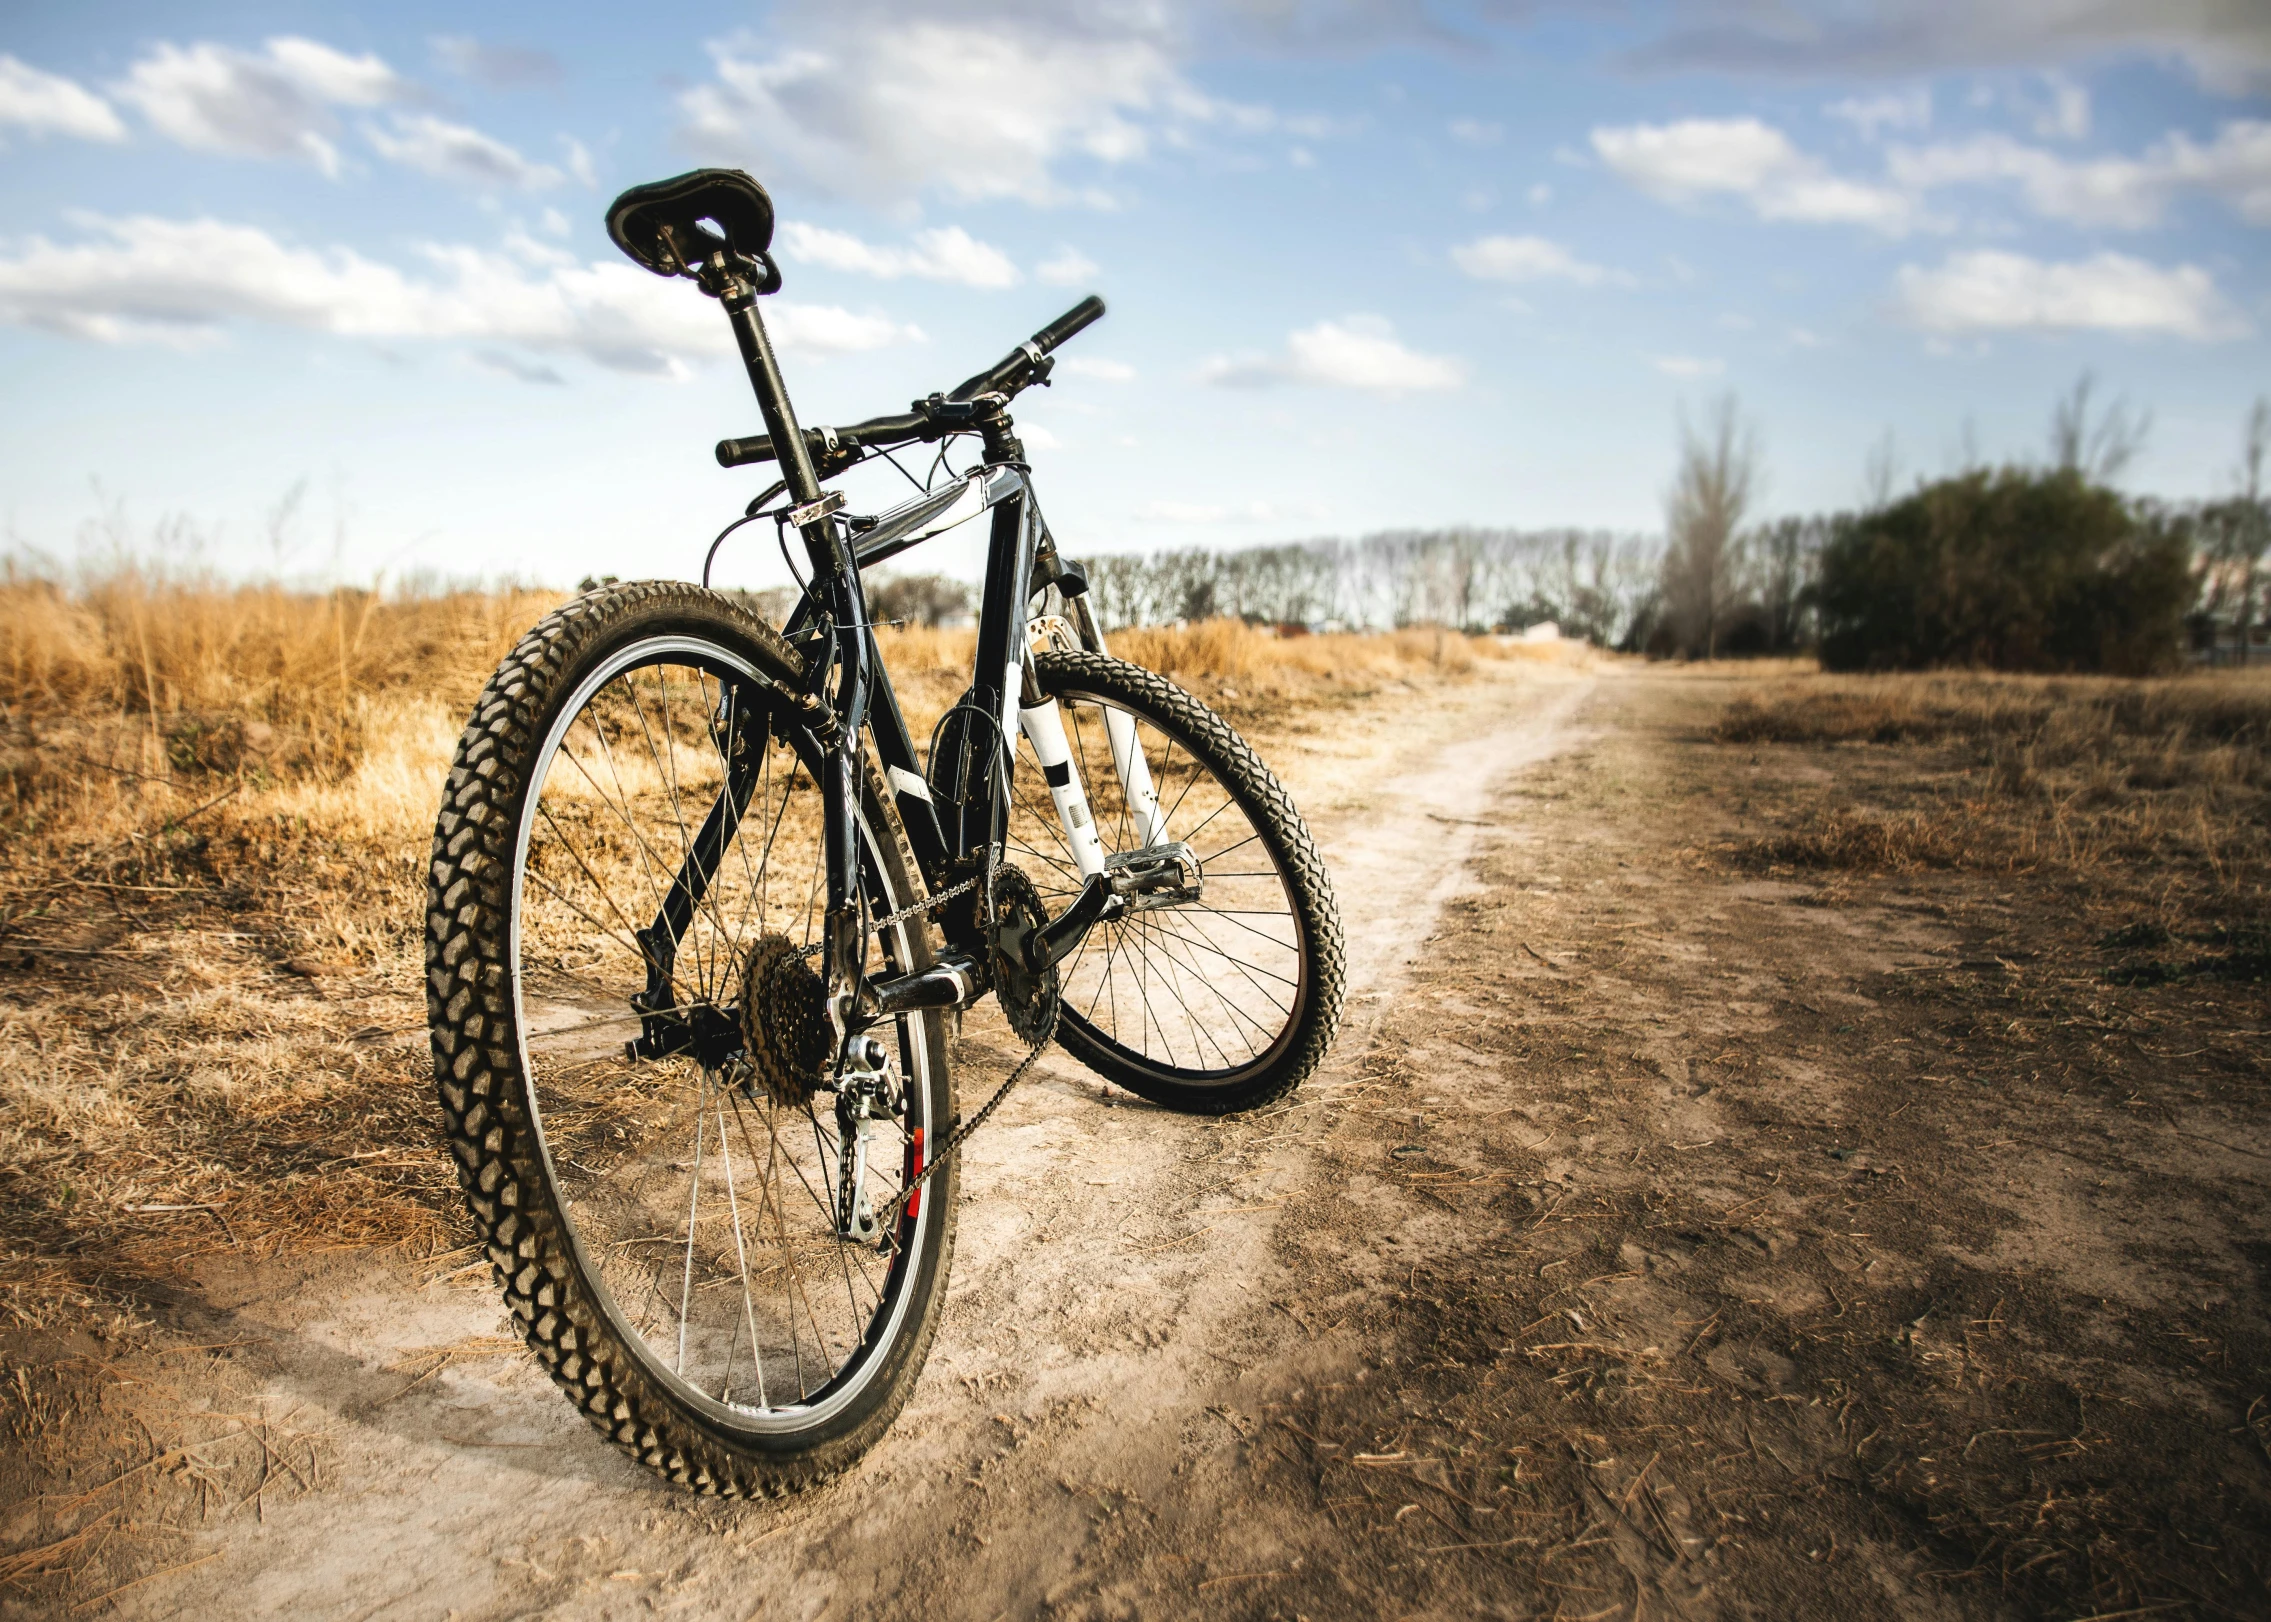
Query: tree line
x: 2038, y: 565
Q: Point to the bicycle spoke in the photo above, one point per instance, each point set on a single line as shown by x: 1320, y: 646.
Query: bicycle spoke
x: 693, y: 1207
x: 1163, y: 935
x: 785, y: 1291
x: 1200, y: 1036
x: 741, y: 1260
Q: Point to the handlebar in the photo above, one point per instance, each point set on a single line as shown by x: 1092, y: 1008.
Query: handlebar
x: 834, y: 449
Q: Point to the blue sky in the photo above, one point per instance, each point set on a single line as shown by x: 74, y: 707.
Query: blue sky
x: 1370, y: 262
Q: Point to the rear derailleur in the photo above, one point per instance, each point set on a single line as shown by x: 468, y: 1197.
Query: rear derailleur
x: 869, y: 1094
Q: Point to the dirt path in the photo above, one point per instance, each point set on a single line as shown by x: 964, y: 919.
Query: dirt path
x: 1661, y: 1240
x: 1110, y: 1290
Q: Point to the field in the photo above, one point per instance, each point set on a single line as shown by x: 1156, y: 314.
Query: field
x: 1796, y: 1149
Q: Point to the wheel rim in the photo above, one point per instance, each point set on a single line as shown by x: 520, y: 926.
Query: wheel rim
x: 1203, y: 993
x: 699, y: 1211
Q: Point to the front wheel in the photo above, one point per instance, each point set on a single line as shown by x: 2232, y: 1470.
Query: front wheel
x: 1213, y: 1001
x: 726, y: 1277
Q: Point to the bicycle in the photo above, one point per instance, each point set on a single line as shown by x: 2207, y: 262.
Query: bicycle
x: 699, y: 913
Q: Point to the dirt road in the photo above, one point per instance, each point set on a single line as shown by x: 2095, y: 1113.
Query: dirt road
x: 1653, y: 1244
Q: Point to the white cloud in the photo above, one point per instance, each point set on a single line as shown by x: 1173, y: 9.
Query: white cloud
x: 1987, y: 290
x: 49, y: 104
x: 858, y: 98
x: 1872, y: 115
x: 1096, y: 366
x: 1687, y: 366
x: 948, y: 254
x: 1477, y: 131
x: 184, y: 282
x: 460, y: 153
x: 2226, y: 43
x: 1355, y: 352
x: 1528, y: 259
x: 1068, y: 267
x: 2116, y: 191
x: 2067, y: 116
x: 343, y: 80
x: 2106, y: 191
x: 1753, y: 161
x: 1038, y: 438
x: 830, y: 329
x: 275, y: 104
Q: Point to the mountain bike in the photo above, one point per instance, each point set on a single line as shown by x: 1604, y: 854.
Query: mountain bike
x: 700, y: 915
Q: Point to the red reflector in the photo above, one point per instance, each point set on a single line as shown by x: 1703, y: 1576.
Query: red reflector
x: 915, y: 1170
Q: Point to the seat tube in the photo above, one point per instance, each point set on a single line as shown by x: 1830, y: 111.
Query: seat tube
x: 998, y: 677
x: 836, y: 580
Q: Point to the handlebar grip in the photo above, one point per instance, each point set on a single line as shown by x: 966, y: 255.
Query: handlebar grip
x: 1086, y: 313
x: 741, y: 452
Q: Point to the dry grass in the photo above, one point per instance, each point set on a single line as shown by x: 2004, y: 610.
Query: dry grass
x: 2108, y: 780
x: 1257, y: 678
x: 217, y: 801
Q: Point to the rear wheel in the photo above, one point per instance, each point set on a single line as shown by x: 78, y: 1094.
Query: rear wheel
x: 1221, y: 1001
x: 670, y: 1233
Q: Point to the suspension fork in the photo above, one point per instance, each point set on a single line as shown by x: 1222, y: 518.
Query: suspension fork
x: 1128, y: 763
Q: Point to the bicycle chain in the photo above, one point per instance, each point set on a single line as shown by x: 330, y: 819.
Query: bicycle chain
x: 928, y: 904
x: 961, y: 1132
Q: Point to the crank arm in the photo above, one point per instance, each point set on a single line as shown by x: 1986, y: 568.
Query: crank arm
x: 1061, y: 936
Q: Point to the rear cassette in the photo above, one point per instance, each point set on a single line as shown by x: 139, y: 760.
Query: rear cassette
x: 784, y: 1022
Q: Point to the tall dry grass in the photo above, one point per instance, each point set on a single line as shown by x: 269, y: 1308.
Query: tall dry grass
x: 217, y: 799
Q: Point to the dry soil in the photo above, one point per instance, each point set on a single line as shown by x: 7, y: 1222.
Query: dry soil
x: 1664, y: 1238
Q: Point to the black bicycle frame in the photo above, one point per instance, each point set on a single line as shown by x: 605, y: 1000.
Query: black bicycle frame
x: 974, y: 750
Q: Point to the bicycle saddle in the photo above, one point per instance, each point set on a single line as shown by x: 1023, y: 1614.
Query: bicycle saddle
x: 666, y: 225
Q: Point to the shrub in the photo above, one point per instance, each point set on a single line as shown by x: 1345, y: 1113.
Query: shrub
x: 2011, y: 570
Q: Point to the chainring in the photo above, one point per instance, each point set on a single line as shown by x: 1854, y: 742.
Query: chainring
x: 784, y: 1021
x: 1028, y: 1000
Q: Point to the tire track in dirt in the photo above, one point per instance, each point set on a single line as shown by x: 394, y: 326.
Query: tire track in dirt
x: 1074, y: 1447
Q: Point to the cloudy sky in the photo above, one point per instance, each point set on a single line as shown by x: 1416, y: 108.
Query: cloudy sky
x: 1370, y: 262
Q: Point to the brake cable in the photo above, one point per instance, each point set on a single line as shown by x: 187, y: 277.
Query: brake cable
x: 754, y: 512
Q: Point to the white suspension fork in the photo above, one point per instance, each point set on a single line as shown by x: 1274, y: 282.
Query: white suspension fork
x: 1135, y: 775
x: 1120, y: 728
x: 1044, y: 728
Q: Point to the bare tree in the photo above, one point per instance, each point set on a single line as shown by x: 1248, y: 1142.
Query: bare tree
x: 2250, y: 530
x: 1711, y: 493
x: 1880, y: 474
x: 2099, y: 445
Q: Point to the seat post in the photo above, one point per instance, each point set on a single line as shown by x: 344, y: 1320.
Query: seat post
x: 740, y: 301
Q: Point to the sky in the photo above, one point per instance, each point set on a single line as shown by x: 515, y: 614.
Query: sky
x: 324, y: 289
